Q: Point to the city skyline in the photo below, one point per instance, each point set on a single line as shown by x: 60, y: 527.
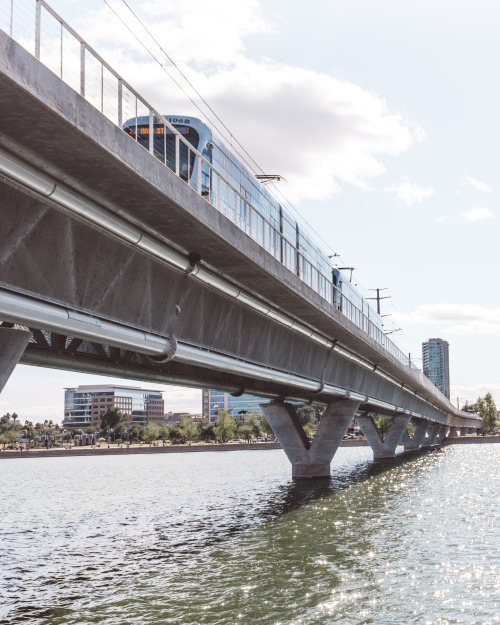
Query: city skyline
x: 383, y: 124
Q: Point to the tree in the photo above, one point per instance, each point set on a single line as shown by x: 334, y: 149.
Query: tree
x: 244, y: 431
x: 113, y: 418
x: 254, y: 422
x: 207, y: 431
x: 136, y: 432
x: 469, y: 407
x: 8, y: 437
x: 186, y: 429
x: 265, y: 427
x: 487, y: 410
x: 309, y: 430
x: 151, y: 433
x: 383, y: 425
x: 225, y: 427
x: 306, y: 414
x: 164, y: 431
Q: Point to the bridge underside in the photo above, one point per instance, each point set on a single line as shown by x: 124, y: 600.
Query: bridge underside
x: 49, y: 256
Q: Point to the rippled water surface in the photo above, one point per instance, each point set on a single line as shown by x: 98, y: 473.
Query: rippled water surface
x: 227, y: 537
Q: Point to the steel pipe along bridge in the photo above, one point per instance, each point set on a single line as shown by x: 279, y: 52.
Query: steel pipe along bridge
x: 112, y: 262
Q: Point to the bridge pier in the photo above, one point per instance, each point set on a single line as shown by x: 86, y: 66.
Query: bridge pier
x: 416, y: 441
x: 12, y: 345
x: 441, y: 435
x: 310, y: 460
x: 433, y: 434
x: 384, y: 448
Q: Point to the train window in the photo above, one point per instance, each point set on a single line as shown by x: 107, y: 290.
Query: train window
x: 164, y: 145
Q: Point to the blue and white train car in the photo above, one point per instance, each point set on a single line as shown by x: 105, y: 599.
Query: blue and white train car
x: 249, y: 204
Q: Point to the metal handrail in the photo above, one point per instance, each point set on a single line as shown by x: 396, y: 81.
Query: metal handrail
x: 294, y: 260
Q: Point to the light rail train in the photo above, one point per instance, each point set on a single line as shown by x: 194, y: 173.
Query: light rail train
x: 230, y: 186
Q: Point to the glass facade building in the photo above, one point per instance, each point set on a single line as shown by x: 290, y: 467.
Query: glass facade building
x: 84, y: 405
x: 237, y: 407
x: 436, y: 364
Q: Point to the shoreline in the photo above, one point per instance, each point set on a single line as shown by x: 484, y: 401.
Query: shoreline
x: 146, y: 449
x: 197, y: 448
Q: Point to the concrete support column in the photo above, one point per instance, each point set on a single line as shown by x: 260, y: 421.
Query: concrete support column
x: 434, y: 433
x: 441, y: 435
x: 416, y: 441
x: 310, y: 460
x: 384, y: 448
x: 453, y: 432
x: 12, y: 345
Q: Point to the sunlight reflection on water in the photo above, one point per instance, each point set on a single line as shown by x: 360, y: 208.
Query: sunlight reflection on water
x: 227, y: 537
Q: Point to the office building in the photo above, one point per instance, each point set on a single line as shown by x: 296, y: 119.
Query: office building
x: 84, y: 405
x: 436, y: 364
x: 237, y: 407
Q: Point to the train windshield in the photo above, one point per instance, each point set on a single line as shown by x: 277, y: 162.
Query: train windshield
x: 164, y: 145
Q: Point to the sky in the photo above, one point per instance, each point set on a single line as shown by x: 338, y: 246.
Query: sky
x: 382, y: 117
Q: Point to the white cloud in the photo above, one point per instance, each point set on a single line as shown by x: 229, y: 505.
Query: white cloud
x: 470, y: 393
x: 315, y: 130
x: 443, y: 219
x: 477, y: 184
x: 477, y: 214
x: 463, y: 319
x: 410, y: 193
x: 192, y: 31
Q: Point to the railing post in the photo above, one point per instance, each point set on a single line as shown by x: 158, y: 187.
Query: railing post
x: 120, y: 102
x: 38, y: 26
x: 82, y: 68
x: 164, y: 144
x: 198, y: 182
x: 102, y: 88
x: 177, y: 155
x: 61, y: 51
x: 11, y: 18
x: 151, y: 131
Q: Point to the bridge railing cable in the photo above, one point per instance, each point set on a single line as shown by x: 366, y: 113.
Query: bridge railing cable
x: 38, y: 28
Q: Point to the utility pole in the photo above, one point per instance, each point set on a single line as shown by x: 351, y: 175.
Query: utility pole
x: 378, y: 298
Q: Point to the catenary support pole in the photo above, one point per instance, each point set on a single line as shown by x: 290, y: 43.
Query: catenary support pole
x: 12, y: 345
x: 310, y: 460
x: 384, y: 448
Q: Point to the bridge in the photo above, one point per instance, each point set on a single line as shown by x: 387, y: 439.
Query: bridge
x: 111, y: 263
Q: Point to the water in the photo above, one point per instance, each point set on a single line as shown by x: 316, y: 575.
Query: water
x: 225, y: 538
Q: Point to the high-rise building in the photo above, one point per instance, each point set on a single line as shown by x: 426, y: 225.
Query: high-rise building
x: 84, y: 405
x: 436, y: 364
x: 237, y: 407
